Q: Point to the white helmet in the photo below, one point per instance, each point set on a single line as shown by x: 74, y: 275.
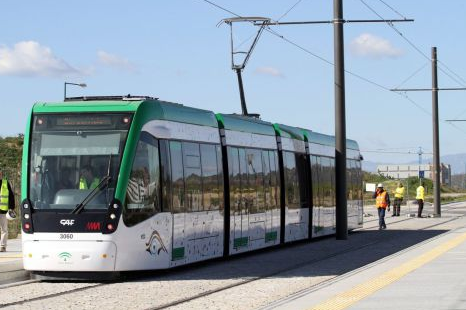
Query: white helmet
x: 380, y: 185
x: 11, y: 215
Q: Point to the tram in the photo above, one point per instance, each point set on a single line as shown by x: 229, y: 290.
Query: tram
x: 112, y: 184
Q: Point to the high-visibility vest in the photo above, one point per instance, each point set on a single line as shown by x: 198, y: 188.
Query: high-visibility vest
x: 83, y: 183
x: 420, y: 192
x: 4, y: 196
x: 399, y: 192
x: 380, y: 200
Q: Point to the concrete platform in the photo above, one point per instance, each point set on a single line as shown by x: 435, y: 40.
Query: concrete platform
x: 11, y: 263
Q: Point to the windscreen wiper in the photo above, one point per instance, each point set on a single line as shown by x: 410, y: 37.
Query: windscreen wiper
x: 100, y: 187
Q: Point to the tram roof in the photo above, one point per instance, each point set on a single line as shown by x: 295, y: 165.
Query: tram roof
x: 289, y: 132
x: 245, y: 124
x: 323, y: 139
x: 152, y: 107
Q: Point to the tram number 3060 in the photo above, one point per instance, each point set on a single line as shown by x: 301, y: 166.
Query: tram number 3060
x: 66, y: 236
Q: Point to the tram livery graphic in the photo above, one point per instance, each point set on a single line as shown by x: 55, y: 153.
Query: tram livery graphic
x: 134, y: 183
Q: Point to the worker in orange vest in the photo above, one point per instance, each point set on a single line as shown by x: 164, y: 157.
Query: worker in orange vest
x: 382, y: 202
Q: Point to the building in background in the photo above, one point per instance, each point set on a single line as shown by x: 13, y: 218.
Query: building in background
x: 424, y: 171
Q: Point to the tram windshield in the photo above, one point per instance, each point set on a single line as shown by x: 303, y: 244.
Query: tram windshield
x: 70, y: 155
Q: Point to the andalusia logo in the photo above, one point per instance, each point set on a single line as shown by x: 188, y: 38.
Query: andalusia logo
x: 155, y: 244
x: 65, y: 256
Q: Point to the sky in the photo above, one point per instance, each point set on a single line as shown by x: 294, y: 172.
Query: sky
x: 178, y: 51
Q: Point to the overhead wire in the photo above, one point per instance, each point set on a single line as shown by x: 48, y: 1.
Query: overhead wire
x: 391, y: 8
x: 289, y: 10
x: 391, y: 25
x: 411, y: 76
x: 280, y: 18
x: 268, y: 29
x: 459, y: 77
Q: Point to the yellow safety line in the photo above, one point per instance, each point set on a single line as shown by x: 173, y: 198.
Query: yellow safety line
x: 13, y: 256
x: 361, y: 291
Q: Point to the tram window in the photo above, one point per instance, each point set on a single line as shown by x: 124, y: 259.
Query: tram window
x: 327, y: 176
x: 235, y: 180
x: 291, y: 181
x: 142, y: 194
x: 315, y: 181
x: 218, y: 150
x: 177, y: 185
x: 301, y: 164
x: 245, y: 195
x: 350, y: 178
x: 255, y: 179
x: 274, y: 178
x: 165, y: 175
x: 210, y: 177
x: 268, y: 194
x: 359, y: 180
x: 192, y: 174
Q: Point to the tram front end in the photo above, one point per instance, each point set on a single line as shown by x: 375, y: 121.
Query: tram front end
x: 69, y: 210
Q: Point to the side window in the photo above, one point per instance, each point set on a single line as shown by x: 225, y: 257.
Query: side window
x: 211, y: 178
x: 218, y: 150
x: 315, y: 181
x: 192, y: 175
x: 243, y: 171
x: 177, y: 178
x: 235, y: 180
x: 143, y: 191
x: 255, y: 181
x: 327, y: 182
x: 274, y: 178
x: 269, y: 204
x: 291, y: 181
x: 301, y: 169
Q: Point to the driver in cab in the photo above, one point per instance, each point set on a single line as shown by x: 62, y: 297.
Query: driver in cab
x: 88, y: 180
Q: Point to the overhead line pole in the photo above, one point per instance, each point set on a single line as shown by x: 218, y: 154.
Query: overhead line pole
x: 435, y: 127
x: 340, y: 123
x: 435, y: 131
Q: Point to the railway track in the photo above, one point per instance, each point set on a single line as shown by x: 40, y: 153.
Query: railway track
x: 43, y: 291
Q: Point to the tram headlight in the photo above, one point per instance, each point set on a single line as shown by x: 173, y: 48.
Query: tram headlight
x: 26, y: 216
x: 115, y: 206
x: 112, y: 216
x: 26, y: 206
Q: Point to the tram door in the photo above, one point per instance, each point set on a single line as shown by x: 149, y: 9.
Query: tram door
x: 196, y: 201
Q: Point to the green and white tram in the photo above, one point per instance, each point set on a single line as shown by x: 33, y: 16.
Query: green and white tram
x: 134, y: 183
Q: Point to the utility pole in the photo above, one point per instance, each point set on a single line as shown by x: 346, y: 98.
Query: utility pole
x: 340, y: 123
x: 435, y: 128
x: 435, y: 131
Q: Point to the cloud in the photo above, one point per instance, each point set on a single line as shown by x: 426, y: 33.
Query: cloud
x: 115, y: 61
x: 373, y: 46
x: 29, y: 58
x: 269, y: 71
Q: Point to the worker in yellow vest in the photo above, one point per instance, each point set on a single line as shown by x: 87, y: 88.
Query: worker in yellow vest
x: 382, y: 202
x: 420, y: 199
x: 399, y: 194
x: 7, y: 203
x: 87, y: 179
